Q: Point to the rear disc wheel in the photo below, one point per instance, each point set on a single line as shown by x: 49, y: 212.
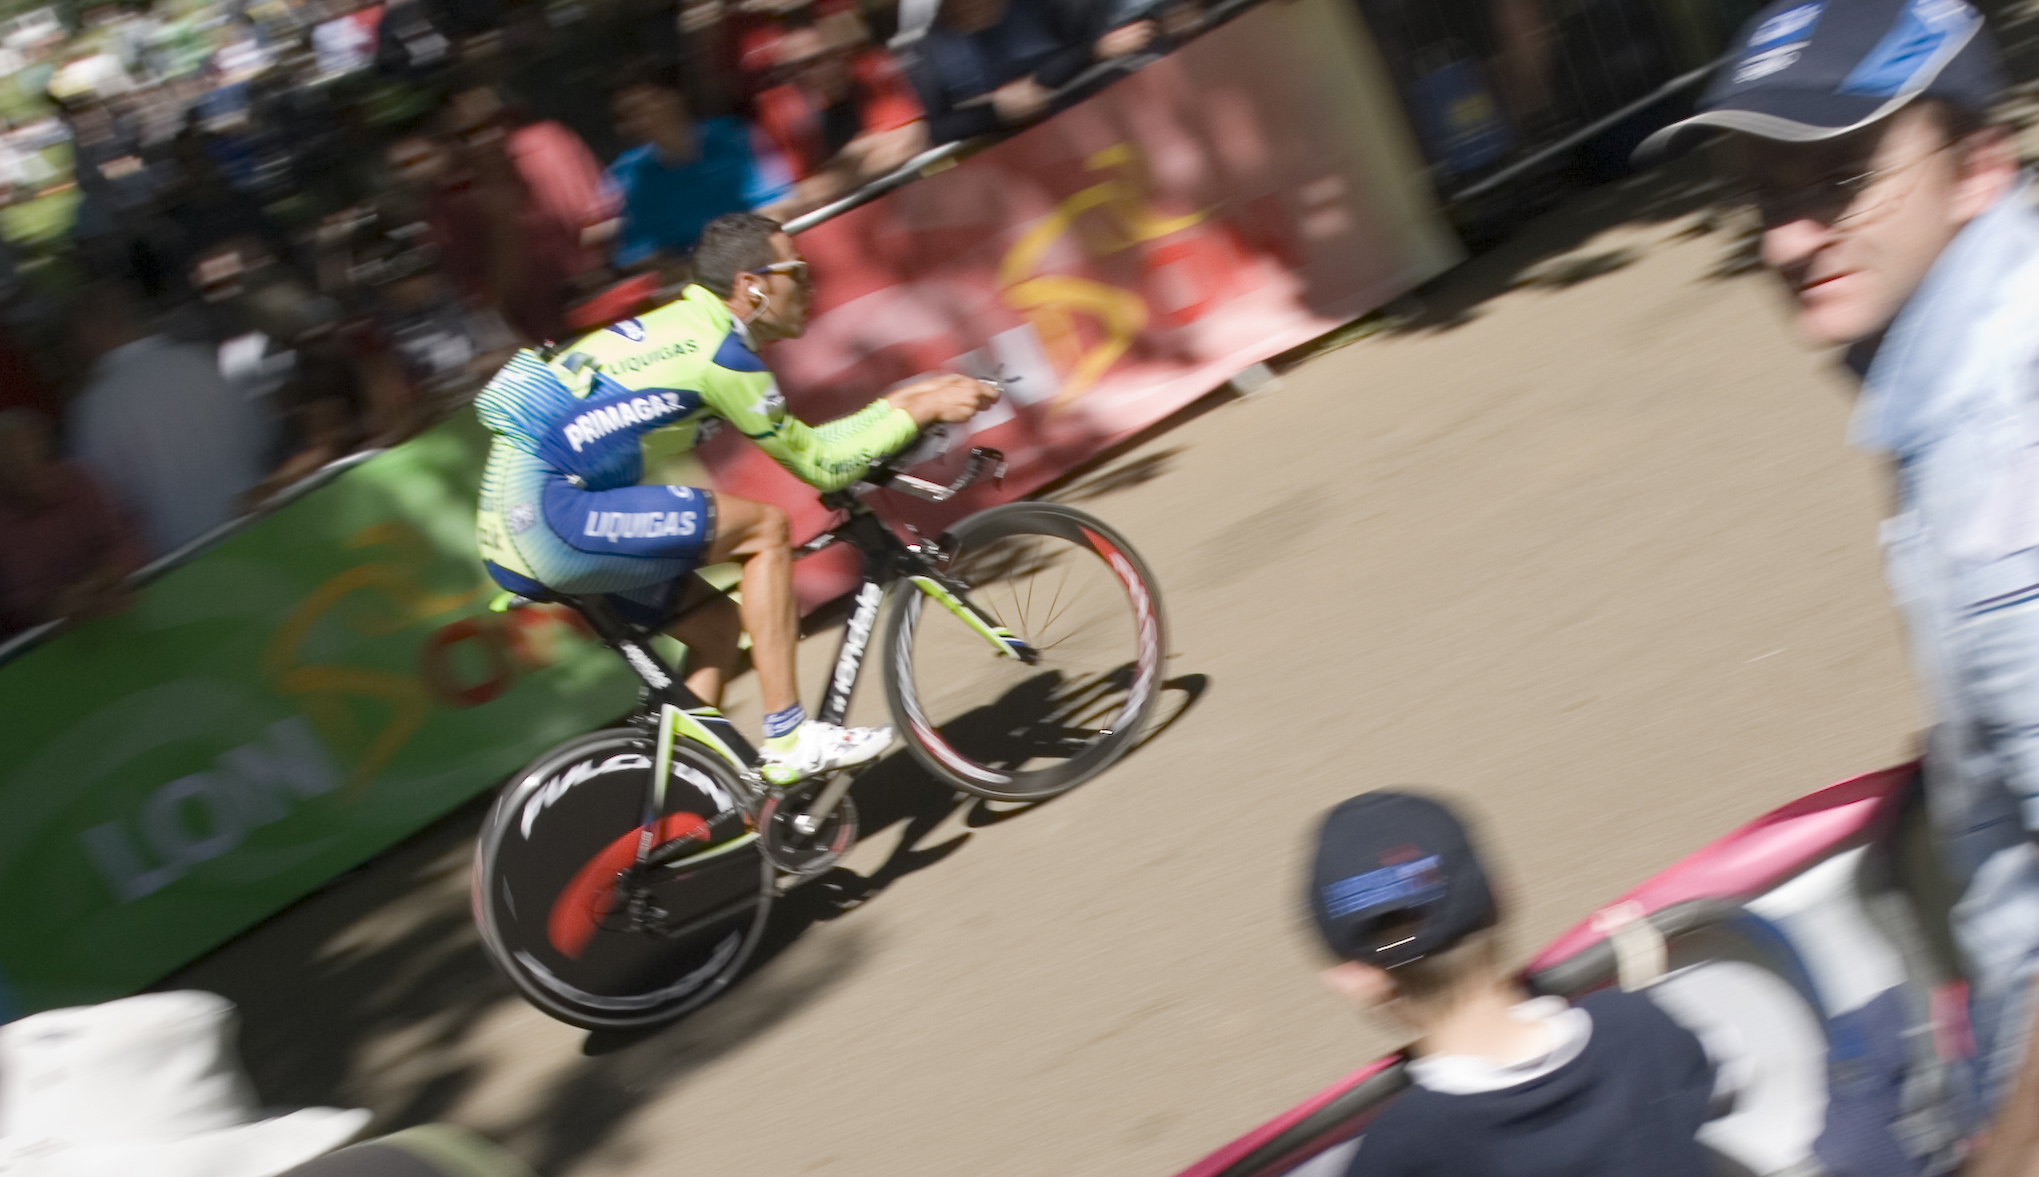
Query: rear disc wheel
x: 582, y: 932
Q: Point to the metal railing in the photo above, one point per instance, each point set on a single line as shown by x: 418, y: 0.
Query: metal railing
x: 1551, y: 151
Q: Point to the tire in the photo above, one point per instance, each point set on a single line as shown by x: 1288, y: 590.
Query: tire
x: 1073, y: 588
x: 544, y: 895
x: 1742, y: 988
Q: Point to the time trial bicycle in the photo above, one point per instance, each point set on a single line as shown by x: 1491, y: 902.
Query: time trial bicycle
x: 624, y: 878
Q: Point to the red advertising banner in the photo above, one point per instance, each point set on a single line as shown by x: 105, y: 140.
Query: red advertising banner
x: 1235, y: 199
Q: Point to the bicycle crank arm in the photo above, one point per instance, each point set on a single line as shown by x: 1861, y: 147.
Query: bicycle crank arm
x: 810, y: 819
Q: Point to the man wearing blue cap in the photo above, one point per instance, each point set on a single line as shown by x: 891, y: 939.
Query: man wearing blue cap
x: 1894, y: 211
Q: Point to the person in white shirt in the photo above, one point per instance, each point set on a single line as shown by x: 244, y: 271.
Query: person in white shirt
x: 157, y: 423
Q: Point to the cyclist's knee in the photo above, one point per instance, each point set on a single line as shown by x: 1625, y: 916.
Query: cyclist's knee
x: 746, y: 527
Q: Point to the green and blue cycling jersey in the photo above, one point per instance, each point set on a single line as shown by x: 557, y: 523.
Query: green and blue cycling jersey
x: 561, y: 508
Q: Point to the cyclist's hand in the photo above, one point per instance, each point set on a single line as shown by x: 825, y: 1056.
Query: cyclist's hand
x: 949, y: 400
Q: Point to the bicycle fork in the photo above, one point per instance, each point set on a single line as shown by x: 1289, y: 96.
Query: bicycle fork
x: 856, y: 643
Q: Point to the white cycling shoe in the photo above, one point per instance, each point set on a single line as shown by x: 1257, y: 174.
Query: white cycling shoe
x: 823, y: 747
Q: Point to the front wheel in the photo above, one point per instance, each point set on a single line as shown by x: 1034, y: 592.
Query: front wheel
x: 584, y: 932
x: 1085, y: 611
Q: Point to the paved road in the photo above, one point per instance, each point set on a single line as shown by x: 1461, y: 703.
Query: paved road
x: 1580, y: 546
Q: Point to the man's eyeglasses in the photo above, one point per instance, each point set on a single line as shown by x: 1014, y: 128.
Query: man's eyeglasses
x: 1835, y: 200
x: 797, y: 268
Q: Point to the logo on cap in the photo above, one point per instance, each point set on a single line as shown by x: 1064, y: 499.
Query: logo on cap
x: 1407, y: 884
x: 629, y: 329
x: 1777, y: 42
x: 1911, y: 45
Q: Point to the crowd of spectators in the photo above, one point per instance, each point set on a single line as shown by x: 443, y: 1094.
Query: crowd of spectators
x: 305, y: 227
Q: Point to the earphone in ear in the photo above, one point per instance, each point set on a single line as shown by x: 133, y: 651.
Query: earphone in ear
x: 764, y: 301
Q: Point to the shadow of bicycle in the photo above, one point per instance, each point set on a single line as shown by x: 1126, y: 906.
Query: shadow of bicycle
x: 1039, y: 716
x: 385, y: 964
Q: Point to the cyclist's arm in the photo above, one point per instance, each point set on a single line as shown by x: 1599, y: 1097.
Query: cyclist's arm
x: 828, y: 457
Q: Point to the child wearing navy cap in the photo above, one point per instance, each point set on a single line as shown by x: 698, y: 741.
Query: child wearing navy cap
x: 1501, y: 1083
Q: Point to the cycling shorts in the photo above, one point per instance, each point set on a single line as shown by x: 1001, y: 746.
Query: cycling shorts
x: 635, y: 544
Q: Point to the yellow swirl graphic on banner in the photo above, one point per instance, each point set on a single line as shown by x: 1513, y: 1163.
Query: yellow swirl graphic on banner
x: 1051, y: 302
x: 388, y: 598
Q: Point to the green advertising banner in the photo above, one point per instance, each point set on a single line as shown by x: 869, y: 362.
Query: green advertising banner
x: 265, y: 717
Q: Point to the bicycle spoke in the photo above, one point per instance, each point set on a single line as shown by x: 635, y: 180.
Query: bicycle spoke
x: 1053, y: 617
x: 1056, y: 600
x: 1028, y: 611
x: 1064, y: 639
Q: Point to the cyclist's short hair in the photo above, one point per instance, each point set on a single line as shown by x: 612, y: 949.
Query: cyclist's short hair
x: 732, y: 244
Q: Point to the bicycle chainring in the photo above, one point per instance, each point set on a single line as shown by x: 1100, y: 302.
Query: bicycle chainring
x: 787, y: 847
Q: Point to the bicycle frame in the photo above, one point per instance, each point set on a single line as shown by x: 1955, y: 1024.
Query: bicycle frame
x: 672, y: 712
x: 887, y: 561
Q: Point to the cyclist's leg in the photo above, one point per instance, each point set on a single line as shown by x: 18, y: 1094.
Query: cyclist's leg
x: 710, y: 627
x: 639, y: 544
x: 795, y: 747
x: 758, y: 536
x: 636, y: 545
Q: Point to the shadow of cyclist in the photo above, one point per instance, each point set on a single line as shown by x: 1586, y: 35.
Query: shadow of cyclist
x: 1025, y: 720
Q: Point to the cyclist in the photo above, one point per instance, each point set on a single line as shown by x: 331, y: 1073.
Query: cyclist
x: 561, y: 509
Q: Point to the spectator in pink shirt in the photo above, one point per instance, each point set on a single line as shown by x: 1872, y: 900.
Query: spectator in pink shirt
x: 65, y: 547
x: 564, y: 178
x: 520, y: 217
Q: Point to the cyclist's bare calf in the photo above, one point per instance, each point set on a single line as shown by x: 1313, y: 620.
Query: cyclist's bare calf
x: 757, y: 536
x: 711, y: 628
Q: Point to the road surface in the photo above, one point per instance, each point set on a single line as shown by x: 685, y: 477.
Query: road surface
x: 1579, y: 546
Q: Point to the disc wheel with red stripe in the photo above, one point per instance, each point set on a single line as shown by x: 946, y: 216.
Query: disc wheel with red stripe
x: 587, y: 934
x: 1081, y: 606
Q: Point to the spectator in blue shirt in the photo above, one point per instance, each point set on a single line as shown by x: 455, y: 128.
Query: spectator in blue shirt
x: 683, y: 173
